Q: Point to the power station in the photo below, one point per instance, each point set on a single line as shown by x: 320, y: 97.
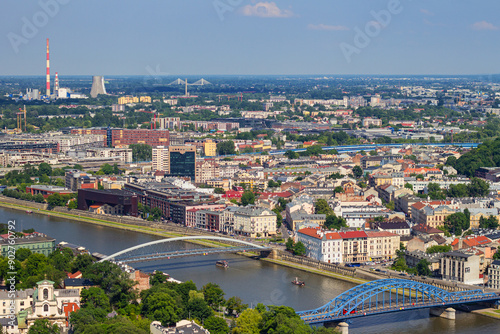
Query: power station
x: 97, y: 86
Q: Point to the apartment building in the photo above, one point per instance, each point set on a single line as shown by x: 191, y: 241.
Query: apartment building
x: 321, y: 245
x: 461, y: 267
x: 432, y: 213
x: 382, y: 245
x: 252, y: 221
x: 75, y: 179
x: 355, y: 246
x: 494, y: 275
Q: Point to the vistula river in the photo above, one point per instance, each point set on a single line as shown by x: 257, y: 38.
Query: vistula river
x: 252, y: 280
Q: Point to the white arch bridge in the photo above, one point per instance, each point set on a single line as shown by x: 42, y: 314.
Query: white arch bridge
x: 168, y: 249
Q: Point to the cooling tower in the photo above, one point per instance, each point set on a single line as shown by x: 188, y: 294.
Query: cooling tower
x: 97, y: 86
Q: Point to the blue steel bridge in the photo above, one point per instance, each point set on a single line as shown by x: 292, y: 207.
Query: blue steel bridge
x: 168, y: 249
x: 391, y: 295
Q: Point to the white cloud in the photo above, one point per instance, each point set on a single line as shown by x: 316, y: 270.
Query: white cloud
x: 426, y: 12
x: 326, y: 27
x: 266, y: 10
x: 483, y: 25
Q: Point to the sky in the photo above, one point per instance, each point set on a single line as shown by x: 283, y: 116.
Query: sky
x: 247, y: 37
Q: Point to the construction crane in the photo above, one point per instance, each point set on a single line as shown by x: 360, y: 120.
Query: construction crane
x: 20, y: 116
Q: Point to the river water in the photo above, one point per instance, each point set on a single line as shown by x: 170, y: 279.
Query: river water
x: 252, y: 280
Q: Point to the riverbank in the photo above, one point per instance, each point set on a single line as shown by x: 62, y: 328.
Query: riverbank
x: 161, y: 232
x: 101, y: 222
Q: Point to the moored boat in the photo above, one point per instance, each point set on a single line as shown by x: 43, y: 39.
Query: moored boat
x: 297, y: 282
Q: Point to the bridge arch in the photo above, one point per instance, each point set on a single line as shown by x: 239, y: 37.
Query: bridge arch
x: 161, y: 241
x: 371, y: 297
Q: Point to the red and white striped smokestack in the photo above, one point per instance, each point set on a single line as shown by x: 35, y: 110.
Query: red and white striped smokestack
x: 48, y: 69
x: 56, y: 83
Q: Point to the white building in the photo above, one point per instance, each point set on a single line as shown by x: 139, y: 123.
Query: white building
x: 125, y: 154
x: 321, y: 245
x: 494, y: 275
x: 160, y: 158
x: 252, y: 220
x: 43, y: 302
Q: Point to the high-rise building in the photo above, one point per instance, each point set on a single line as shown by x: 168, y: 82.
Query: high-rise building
x: 182, y: 161
x: 210, y: 148
x: 176, y: 161
x: 97, y: 86
x: 160, y: 158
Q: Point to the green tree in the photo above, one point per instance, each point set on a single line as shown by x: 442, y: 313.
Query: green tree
x: 335, y: 223
x: 107, y: 169
x: 438, y: 249
x: 235, y: 304
x: 162, y: 307
x: 496, y: 256
x: 338, y: 190
x: 321, y: 207
x: 44, y: 169
x: 457, y: 190
x: 141, y: 152
x: 247, y: 198
x: 199, y: 309
x: 357, y: 172
x: 290, y: 244
x: 216, y: 325
x: 456, y: 223
x: 56, y: 200
x: 248, y: 322
x: 219, y: 191
x: 291, y: 154
x: 157, y: 278
x: 96, y: 298
x: 22, y: 254
x: 82, y: 262
x: 409, y: 186
x: 213, y: 294
x: 478, y: 187
x: 115, y: 282
x: 299, y: 249
x: 391, y: 206
x: 43, y: 326
x: 73, y: 204
x: 39, y: 198
x: 423, y: 268
x: 226, y: 147
x: 491, y: 222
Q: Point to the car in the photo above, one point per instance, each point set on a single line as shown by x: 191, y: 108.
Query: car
x: 402, y: 274
x: 378, y: 270
x: 344, y: 312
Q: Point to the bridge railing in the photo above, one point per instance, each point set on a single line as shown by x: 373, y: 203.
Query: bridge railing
x: 390, y: 295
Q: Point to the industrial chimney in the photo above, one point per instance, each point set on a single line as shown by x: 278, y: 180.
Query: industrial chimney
x: 48, y: 70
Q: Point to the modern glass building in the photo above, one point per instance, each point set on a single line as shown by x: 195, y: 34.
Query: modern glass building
x: 182, y: 161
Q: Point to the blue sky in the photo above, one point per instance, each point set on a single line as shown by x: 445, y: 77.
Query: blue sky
x: 186, y: 37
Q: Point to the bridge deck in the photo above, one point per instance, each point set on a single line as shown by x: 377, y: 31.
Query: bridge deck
x: 399, y: 307
x: 187, y: 252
